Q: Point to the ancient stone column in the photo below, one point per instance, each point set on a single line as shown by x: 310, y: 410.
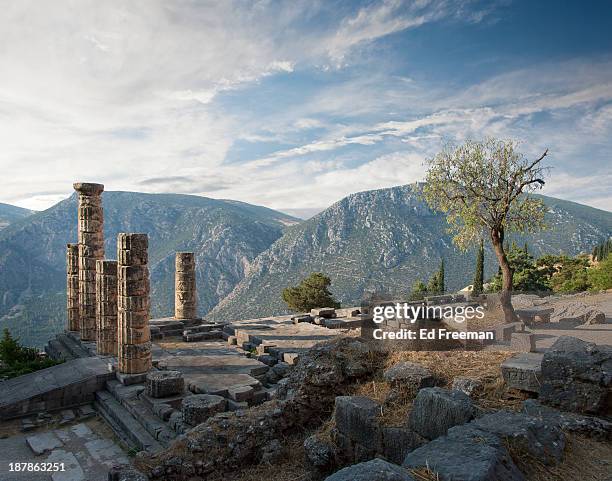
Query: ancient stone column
x: 106, y: 307
x: 185, y: 305
x: 134, y: 350
x: 72, y: 286
x: 91, y: 248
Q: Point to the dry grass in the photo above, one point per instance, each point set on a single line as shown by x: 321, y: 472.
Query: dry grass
x: 424, y: 474
x: 291, y: 468
x: 585, y: 460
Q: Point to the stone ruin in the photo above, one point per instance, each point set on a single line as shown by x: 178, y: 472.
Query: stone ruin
x: 91, y: 248
x: 185, y: 304
x: 72, y: 287
x: 134, y: 335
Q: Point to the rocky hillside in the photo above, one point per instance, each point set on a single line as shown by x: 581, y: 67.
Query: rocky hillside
x: 383, y: 240
x: 11, y: 213
x: 225, y: 235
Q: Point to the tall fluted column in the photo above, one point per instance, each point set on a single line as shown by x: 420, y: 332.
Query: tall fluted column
x: 185, y: 304
x: 91, y: 248
x: 106, y: 307
x: 134, y: 304
x: 72, y: 286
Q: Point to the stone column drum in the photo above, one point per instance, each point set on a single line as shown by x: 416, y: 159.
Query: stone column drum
x: 185, y: 304
x: 134, y: 335
x: 72, y: 286
x: 91, y: 248
x: 106, y: 307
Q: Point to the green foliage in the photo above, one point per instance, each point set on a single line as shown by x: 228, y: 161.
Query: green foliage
x: 436, y: 283
x: 569, y: 274
x: 312, y: 292
x: 601, y: 251
x: 17, y: 359
x: 484, y: 185
x: 600, y: 277
x: 526, y: 275
x: 419, y: 291
x: 479, y: 273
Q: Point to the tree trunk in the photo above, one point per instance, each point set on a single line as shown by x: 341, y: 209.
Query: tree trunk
x: 497, y: 239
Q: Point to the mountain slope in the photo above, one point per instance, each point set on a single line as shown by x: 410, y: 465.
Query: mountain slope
x: 10, y: 213
x: 226, y: 236
x: 384, y: 240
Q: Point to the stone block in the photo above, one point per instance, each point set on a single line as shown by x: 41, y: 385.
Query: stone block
x: 523, y: 342
x: 165, y: 383
x: 467, y: 385
x: 199, y: 407
x: 326, y: 312
x: 466, y: 454
x: 357, y: 418
x: 542, y: 440
x: 241, y: 393
x: 409, y: 374
x: 435, y: 410
x: 374, y: 470
x: 397, y: 442
x: 576, y: 376
x: 523, y: 371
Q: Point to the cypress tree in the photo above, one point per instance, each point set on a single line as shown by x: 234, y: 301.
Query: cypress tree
x: 441, y: 283
x: 478, y: 285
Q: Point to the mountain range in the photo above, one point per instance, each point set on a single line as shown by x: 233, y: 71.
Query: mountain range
x: 10, y: 213
x: 225, y: 235
x: 381, y: 240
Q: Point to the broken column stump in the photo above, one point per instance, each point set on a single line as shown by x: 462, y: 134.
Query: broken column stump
x: 72, y: 286
x: 134, y: 335
x: 523, y: 342
x: 91, y: 248
x: 185, y: 303
x: 199, y: 407
x: 106, y: 307
x: 165, y: 383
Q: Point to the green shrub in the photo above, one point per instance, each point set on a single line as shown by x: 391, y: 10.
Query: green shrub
x: 311, y: 293
x: 17, y: 359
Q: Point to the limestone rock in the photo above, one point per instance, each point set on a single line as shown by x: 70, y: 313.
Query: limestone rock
x: 589, y: 426
x: 374, y: 470
x: 544, y: 441
x: 435, y: 410
x: 320, y: 455
x: 397, y: 442
x: 577, y: 376
x: 164, y: 383
x: 356, y: 418
x: 199, y: 407
x: 523, y: 371
x: 409, y: 374
x: 467, y: 385
x: 466, y: 454
x: 523, y: 342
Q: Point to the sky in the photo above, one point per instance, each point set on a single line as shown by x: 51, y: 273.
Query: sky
x: 294, y: 105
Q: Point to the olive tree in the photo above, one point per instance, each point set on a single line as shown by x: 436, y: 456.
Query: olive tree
x: 483, y: 187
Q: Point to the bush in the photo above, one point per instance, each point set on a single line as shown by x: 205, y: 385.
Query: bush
x: 17, y: 359
x: 600, y: 277
x: 311, y: 293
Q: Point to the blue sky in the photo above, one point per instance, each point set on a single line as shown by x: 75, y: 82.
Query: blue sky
x: 294, y: 105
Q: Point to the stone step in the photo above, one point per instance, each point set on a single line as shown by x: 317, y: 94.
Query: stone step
x: 125, y: 426
x: 57, y: 351
x: 73, y: 345
x: 129, y: 398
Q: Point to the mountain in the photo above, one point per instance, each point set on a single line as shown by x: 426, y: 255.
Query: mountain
x: 11, y: 213
x: 384, y: 240
x: 225, y: 235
